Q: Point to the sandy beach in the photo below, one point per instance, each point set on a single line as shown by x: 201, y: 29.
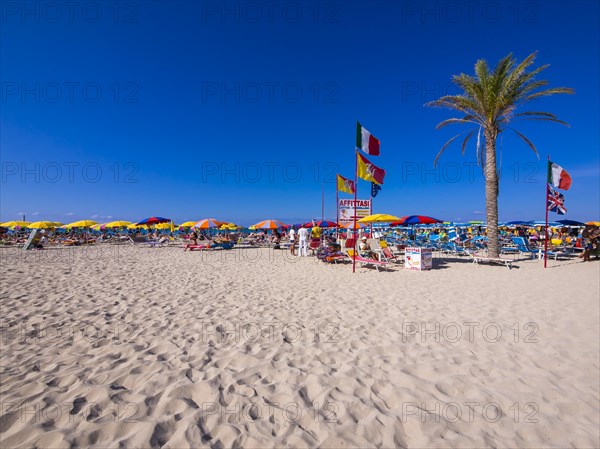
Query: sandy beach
x: 120, y: 346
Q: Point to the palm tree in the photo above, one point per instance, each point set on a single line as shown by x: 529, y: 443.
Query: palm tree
x: 489, y: 101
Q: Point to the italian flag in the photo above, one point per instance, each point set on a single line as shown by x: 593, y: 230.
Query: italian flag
x: 365, y: 141
x: 558, y: 177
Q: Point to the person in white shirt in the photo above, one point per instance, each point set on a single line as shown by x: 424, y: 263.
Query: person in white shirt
x: 293, y: 241
x: 303, y: 242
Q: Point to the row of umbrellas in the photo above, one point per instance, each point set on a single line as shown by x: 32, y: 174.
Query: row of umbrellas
x: 209, y: 223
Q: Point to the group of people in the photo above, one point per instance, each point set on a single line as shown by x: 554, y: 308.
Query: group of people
x: 301, y: 238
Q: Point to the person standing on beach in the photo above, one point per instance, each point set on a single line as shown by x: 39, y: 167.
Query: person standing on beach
x: 303, y: 242
x: 292, y: 241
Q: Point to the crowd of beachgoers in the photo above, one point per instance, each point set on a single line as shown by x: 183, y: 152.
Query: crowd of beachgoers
x: 330, y: 243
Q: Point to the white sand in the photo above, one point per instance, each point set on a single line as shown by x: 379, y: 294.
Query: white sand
x: 143, y: 348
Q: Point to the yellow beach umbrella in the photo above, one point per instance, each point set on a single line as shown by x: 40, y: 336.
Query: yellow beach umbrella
x: 12, y: 224
x: 81, y: 224
x: 593, y: 223
x: 188, y: 224
x: 117, y: 224
x: 379, y: 218
x: 164, y: 226
x: 135, y: 226
x: 229, y: 227
x: 42, y: 225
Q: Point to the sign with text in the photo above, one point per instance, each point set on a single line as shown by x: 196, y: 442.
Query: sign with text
x: 346, y: 210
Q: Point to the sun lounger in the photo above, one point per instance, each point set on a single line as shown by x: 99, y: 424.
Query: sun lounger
x: 493, y: 260
x: 364, y: 261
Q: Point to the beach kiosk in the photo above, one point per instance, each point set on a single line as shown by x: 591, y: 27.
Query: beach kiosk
x: 418, y: 259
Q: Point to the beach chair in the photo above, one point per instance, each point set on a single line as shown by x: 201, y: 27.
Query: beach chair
x: 493, y: 260
x: 354, y: 256
x: 453, y: 248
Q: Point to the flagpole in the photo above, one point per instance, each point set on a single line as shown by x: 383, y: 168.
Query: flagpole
x: 355, y: 234
x: 323, y: 201
x: 371, y: 210
x: 546, y: 229
x: 337, y: 211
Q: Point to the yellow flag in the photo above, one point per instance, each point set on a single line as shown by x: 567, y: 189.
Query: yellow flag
x: 369, y: 171
x: 345, y: 185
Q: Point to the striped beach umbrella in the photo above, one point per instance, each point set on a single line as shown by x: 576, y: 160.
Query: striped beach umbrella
x: 416, y: 219
x: 268, y: 224
x: 153, y: 221
x: 208, y: 223
x: 320, y: 224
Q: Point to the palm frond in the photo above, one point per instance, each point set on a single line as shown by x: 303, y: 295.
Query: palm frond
x: 552, y: 91
x: 464, y: 144
x: 450, y: 121
x: 446, y: 146
x: 527, y: 141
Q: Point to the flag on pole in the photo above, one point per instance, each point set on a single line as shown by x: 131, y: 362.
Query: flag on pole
x: 556, y: 202
x: 365, y: 141
x: 345, y: 185
x: 558, y: 176
x: 375, y: 188
x: 368, y: 171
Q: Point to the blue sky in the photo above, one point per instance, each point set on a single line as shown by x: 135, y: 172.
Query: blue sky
x: 246, y: 110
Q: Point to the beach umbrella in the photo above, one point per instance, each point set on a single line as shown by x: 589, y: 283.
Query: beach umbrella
x: 208, y: 223
x: 379, y: 218
x: 153, y: 221
x: 542, y: 223
x: 42, y: 225
x: 163, y: 226
x: 229, y: 227
x: 593, y: 223
x: 117, y: 224
x: 12, y: 224
x: 268, y: 224
x: 98, y: 227
x: 416, y: 219
x: 321, y: 224
x: 571, y: 222
x: 81, y: 224
x: 475, y: 222
x: 188, y: 224
x: 135, y: 226
x: 516, y: 222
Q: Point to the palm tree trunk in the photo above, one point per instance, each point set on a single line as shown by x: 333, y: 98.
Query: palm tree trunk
x: 491, y: 193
